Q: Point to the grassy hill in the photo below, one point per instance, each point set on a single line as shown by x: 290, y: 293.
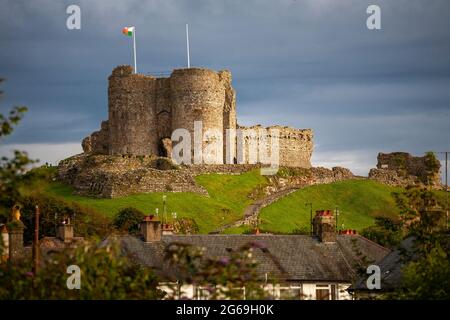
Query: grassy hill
x: 226, y: 203
x: 359, y: 201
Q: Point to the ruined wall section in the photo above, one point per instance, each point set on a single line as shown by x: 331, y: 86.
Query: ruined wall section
x: 98, y: 141
x: 403, y: 169
x: 132, y: 118
x: 295, y: 145
x: 229, y: 115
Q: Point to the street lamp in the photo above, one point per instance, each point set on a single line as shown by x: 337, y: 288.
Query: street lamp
x: 336, y: 212
x: 310, y: 217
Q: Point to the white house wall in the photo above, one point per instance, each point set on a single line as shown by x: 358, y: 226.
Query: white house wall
x: 304, y: 291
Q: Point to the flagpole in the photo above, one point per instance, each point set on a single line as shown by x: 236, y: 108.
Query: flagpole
x: 134, y: 49
x: 187, y: 45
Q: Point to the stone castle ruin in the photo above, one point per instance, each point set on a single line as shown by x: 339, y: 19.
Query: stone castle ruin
x: 132, y: 150
x: 403, y: 169
x: 143, y: 112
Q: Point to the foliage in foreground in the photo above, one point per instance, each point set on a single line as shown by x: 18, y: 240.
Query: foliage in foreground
x: 426, y: 271
x: 104, y: 275
x: 12, y: 170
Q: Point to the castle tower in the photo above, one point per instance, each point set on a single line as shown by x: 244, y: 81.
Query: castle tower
x: 132, y: 119
x: 144, y: 111
x: 198, y: 95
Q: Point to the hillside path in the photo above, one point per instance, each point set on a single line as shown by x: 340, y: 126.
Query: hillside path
x: 251, y: 213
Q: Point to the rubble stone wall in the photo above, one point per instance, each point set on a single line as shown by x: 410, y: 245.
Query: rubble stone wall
x: 403, y: 169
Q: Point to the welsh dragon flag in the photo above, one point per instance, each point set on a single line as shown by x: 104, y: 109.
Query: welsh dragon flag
x: 128, y: 31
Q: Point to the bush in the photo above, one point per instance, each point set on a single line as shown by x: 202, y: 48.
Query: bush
x: 385, y: 232
x: 128, y: 219
x: 185, y: 226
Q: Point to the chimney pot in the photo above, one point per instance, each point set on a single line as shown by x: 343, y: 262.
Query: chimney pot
x: 151, y: 229
x: 324, y: 226
x: 65, y: 231
x: 15, y: 236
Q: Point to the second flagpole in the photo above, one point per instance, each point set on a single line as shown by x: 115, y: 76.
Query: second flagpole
x: 187, y: 46
x: 134, y: 49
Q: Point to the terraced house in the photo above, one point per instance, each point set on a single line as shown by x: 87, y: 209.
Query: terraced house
x: 321, y: 266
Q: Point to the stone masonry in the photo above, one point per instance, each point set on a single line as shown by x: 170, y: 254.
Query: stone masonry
x: 403, y: 169
x: 143, y: 111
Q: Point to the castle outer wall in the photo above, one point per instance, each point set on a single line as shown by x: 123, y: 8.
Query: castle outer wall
x: 143, y: 111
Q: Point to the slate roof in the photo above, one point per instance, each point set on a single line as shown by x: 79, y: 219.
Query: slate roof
x: 390, y: 267
x: 288, y: 257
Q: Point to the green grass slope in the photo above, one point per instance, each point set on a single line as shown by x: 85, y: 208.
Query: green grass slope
x: 359, y: 201
x: 227, y: 201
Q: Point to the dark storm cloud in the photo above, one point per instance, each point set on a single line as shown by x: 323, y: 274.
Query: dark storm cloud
x: 300, y: 63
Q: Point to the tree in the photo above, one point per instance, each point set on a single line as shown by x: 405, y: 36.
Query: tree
x: 12, y: 170
x: 128, y: 219
x: 426, y: 273
x: 421, y: 218
x: 386, y: 232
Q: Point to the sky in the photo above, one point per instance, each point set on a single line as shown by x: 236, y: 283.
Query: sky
x: 302, y: 63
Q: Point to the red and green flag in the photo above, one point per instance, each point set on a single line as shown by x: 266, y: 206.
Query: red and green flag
x: 128, y: 31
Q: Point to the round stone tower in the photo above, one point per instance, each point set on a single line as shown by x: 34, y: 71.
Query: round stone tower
x: 132, y: 119
x: 197, y: 95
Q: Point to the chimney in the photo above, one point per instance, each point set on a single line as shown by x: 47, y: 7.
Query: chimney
x: 65, y: 231
x: 324, y: 226
x: 15, y: 241
x: 151, y: 228
x: 4, y: 242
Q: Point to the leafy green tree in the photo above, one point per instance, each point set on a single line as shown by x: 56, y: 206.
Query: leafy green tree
x: 128, y: 219
x: 386, y: 232
x: 427, y: 278
x: 426, y: 274
x: 12, y: 170
x: 422, y: 218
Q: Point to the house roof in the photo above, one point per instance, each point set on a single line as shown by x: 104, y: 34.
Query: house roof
x: 390, y: 267
x: 54, y: 243
x: 290, y: 257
